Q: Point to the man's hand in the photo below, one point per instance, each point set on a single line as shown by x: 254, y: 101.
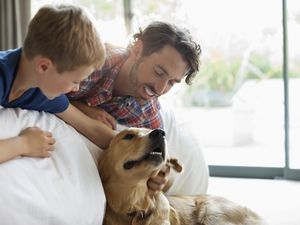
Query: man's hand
x: 97, y: 114
x: 36, y: 142
x: 162, y: 181
x: 100, y: 114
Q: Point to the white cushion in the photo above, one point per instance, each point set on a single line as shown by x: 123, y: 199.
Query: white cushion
x: 186, y: 147
x: 64, y: 189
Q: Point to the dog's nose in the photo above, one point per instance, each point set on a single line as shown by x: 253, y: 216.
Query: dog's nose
x: 157, y: 133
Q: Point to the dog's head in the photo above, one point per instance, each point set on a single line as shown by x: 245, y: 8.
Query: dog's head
x: 135, y: 153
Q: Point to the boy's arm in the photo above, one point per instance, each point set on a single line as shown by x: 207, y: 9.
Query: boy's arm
x: 10, y: 148
x: 32, y: 142
x: 95, y: 130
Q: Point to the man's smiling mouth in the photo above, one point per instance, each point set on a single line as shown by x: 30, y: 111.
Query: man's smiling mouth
x: 149, y: 92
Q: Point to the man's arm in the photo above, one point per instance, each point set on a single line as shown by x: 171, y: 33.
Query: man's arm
x: 96, y: 113
x: 162, y: 181
x: 93, y: 129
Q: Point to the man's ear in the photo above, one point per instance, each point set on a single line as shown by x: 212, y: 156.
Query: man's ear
x: 175, y: 164
x: 43, y: 64
x: 137, y: 49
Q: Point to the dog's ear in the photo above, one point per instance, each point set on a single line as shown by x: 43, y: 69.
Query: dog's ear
x: 173, y: 163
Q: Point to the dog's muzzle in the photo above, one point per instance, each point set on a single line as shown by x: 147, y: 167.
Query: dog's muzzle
x: 156, y: 152
x: 157, y: 147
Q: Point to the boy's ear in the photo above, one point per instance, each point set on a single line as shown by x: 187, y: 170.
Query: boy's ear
x: 137, y: 49
x: 43, y: 64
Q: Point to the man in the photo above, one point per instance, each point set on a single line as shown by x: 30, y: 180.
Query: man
x: 127, y: 88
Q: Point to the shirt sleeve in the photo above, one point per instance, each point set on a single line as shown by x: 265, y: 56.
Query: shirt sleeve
x: 1, y: 86
x: 57, y: 105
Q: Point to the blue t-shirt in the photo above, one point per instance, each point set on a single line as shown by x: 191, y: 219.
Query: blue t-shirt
x: 32, y: 98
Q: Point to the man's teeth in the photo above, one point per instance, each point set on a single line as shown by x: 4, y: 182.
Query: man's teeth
x: 155, y: 153
x: 149, y: 92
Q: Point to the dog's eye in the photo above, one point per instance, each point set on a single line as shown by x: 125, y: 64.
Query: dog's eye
x: 128, y: 136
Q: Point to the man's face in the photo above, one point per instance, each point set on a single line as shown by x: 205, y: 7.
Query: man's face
x: 54, y: 84
x: 155, y: 75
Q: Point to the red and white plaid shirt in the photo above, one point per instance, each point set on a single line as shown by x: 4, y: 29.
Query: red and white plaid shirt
x: 96, y: 90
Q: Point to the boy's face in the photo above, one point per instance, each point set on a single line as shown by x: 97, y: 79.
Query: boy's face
x: 54, y: 84
x: 156, y: 74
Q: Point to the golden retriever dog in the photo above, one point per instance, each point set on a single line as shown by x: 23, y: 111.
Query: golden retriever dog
x: 135, y: 155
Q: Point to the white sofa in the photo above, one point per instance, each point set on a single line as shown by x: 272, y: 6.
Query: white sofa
x: 65, y: 189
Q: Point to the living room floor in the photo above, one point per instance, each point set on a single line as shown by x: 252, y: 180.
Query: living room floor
x: 277, y: 201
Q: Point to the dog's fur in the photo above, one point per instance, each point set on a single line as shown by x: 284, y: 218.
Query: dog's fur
x: 134, y: 156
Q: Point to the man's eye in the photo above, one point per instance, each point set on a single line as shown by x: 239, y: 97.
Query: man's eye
x: 171, y: 83
x: 128, y: 136
x: 159, y: 73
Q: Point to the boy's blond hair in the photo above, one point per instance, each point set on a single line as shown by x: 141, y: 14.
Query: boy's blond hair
x: 66, y: 35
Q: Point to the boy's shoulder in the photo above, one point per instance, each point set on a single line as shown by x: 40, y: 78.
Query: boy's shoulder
x: 33, y: 98
x: 9, y: 60
x: 8, y: 54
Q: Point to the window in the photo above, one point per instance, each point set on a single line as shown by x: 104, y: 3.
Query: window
x: 108, y: 14
x: 237, y: 103
x: 293, y: 27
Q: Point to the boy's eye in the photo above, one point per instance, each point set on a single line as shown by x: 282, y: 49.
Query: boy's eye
x: 128, y: 136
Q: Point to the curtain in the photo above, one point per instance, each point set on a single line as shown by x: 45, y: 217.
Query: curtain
x: 14, y: 19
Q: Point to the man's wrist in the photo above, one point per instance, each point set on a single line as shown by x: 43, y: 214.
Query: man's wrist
x: 170, y: 182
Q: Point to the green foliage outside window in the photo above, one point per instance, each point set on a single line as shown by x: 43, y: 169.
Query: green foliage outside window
x: 219, y: 79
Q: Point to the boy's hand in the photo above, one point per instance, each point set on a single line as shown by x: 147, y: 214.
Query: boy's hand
x: 160, y: 182
x: 36, y: 142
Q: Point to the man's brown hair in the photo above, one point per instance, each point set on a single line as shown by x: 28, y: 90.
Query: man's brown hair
x: 66, y: 35
x: 159, y: 34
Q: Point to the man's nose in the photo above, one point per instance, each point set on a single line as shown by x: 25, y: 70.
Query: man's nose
x: 161, y: 87
x: 75, y: 88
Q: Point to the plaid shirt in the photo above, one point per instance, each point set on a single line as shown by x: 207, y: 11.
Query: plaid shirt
x: 97, y: 89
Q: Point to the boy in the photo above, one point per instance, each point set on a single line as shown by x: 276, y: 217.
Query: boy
x: 61, y: 48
